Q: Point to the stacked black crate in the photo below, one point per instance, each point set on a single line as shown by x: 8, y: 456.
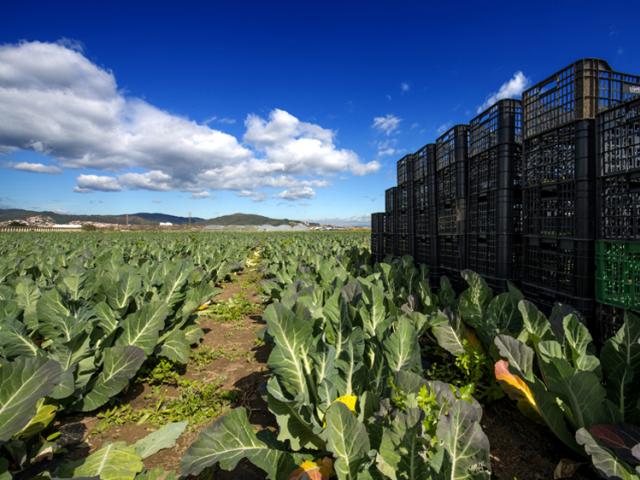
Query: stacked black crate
x: 390, y: 221
x: 558, y: 183
x: 494, y: 197
x: 377, y: 236
x: 404, y: 210
x: 618, y: 212
x: 424, y: 209
x: 451, y: 188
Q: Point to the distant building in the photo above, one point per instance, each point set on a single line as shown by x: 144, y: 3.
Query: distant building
x: 166, y: 224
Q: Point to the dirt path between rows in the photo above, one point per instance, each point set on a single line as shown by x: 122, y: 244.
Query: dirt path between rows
x: 230, y: 355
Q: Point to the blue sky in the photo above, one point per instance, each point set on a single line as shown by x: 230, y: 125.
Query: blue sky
x: 288, y: 109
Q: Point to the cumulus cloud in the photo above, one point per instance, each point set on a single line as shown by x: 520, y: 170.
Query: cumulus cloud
x: 512, y: 88
x: 35, y: 167
x: 386, y: 124
x: 253, y: 195
x: 297, y: 193
x: 55, y: 101
x: 200, y: 195
x: 100, y: 183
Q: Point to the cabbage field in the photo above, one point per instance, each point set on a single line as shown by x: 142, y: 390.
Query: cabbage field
x: 293, y: 356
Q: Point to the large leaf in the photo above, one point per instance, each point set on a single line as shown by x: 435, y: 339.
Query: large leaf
x: 121, y: 363
x: 115, y: 461
x: 449, y: 331
x: 578, y: 339
x: 27, y: 295
x: 291, y: 335
x: 623, y: 440
x: 142, y: 328
x: 162, y: 438
x: 296, y: 422
x: 605, y: 462
x: 23, y: 382
x: 519, y: 355
x: 230, y: 439
x: 55, y: 319
x: 176, y: 347
x: 465, y: 444
x: 620, y: 359
x: 347, y: 439
x: 473, y: 302
x: 121, y: 292
x: 401, y: 348
x: 536, y: 326
x: 401, y: 454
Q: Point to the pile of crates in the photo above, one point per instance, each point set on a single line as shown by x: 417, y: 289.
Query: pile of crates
x: 618, y: 203
x: 494, y: 197
x: 451, y: 188
x: 559, y: 156
x: 537, y: 192
x: 425, y: 216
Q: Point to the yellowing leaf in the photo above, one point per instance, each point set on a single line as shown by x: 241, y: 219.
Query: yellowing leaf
x: 517, y: 385
x: 349, y: 401
x: 310, y: 470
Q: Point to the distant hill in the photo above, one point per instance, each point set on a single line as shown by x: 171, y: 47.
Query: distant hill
x: 247, y: 219
x: 134, y: 219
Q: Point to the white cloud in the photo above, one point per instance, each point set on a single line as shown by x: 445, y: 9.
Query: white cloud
x: 512, y: 88
x: 387, y: 147
x: 297, y: 193
x: 223, y: 120
x: 405, y: 87
x: 55, y: 101
x: 200, y: 195
x: 92, y: 183
x: 35, y: 167
x: 253, y: 195
x: 443, y: 128
x: 386, y: 124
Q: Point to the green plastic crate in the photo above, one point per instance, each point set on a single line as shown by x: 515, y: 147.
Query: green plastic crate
x: 618, y: 273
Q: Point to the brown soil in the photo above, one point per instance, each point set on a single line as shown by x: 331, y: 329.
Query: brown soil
x: 524, y: 450
x: 244, y: 373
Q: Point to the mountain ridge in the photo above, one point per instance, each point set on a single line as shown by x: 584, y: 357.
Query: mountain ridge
x: 146, y: 218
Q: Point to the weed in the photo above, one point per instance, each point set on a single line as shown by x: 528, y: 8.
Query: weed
x: 233, y: 310
x: 197, y: 403
x: 204, y: 356
x: 159, y: 372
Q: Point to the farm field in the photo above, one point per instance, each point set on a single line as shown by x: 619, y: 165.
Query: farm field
x: 293, y: 356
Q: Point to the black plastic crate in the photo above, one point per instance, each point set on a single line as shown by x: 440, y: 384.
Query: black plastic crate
x: 405, y: 196
x: 451, y: 162
x: 494, y: 255
x: 495, y: 212
x: 576, y: 92
x: 405, y: 169
x: 545, y: 299
x: 425, y: 222
x: 424, y: 163
x: 377, y: 246
x: 423, y: 195
x: 618, y: 171
x: 377, y: 223
x: 403, y: 245
x: 451, y: 252
x: 389, y: 244
x: 390, y: 224
x: 565, y: 265
x: 498, y: 125
x: 618, y: 199
x: 619, y: 139
x: 426, y: 251
x: 390, y: 199
x: 608, y: 320
x: 405, y: 223
x: 496, y: 168
x: 558, y: 182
